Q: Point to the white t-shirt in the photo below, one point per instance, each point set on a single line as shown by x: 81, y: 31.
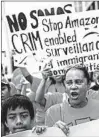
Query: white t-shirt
x: 72, y: 116
x: 51, y: 99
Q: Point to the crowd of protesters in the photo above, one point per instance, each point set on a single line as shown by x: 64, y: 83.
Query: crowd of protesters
x: 61, y: 101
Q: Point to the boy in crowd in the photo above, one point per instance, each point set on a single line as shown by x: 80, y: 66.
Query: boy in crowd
x: 7, y: 89
x: 17, y: 113
x: 79, y: 108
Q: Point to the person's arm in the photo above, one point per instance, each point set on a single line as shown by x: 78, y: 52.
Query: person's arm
x: 26, y: 74
x: 40, y: 93
x: 41, y: 89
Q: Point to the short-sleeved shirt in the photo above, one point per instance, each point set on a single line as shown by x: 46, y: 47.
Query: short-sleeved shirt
x: 51, y: 99
x: 72, y: 116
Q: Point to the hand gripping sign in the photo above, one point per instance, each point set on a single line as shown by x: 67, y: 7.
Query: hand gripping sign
x: 50, y: 132
x: 88, y: 129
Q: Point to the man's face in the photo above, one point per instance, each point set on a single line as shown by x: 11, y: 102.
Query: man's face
x: 18, y: 120
x: 76, y: 86
x: 5, y: 92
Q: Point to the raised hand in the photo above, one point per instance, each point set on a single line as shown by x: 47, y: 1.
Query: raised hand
x: 46, y: 72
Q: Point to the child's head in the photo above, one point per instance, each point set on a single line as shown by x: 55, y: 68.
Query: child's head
x: 17, y: 113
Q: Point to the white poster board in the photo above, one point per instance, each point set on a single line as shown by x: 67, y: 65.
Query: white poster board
x: 40, y: 32
x: 71, y: 39
x: 50, y: 132
x: 21, y: 22
x: 88, y: 129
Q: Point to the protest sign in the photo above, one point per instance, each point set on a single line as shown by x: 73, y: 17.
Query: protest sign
x: 50, y: 132
x: 72, y: 39
x: 52, y: 34
x: 87, y: 129
x: 22, y: 22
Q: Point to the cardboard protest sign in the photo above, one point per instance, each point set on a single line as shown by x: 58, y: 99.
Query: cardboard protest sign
x: 22, y: 24
x: 50, y: 132
x: 89, y: 129
x: 37, y: 34
x: 72, y: 39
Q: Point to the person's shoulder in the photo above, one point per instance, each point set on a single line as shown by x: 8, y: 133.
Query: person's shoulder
x: 94, y: 103
x: 93, y: 108
x: 54, y: 112
x: 58, y: 107
x: 55, y: 108
x: 54, y: 94
x: 57, y: 96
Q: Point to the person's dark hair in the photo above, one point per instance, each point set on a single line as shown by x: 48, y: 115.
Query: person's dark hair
x: 8, y: 85
x: 29, y: 78
x: 82, y: 68
x: 16, y: 101
x: 4, y: 82
x: 2, y: 73
x: 54, y: 82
